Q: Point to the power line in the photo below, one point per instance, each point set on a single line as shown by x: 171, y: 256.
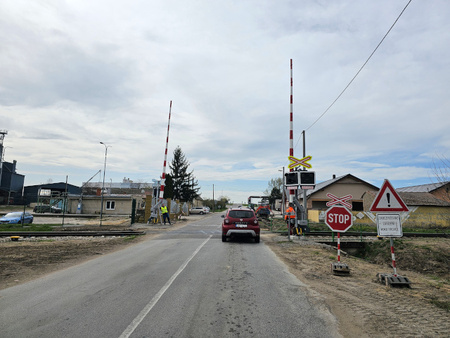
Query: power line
x: 359, y: 71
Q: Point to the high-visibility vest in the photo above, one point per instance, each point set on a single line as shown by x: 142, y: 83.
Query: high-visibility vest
x: 164, y: 210
x: 290, y: 213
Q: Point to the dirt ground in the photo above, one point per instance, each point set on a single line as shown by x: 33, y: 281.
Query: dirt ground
x: 364, y: 308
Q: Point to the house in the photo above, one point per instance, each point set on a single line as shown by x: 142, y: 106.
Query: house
x: 113, y: 204
x: 117, y: 197
x: 338, y: 186
x: 440, y: 190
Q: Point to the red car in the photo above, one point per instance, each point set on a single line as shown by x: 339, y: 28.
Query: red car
x: 240, y: 222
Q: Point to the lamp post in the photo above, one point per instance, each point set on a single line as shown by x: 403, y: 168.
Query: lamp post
x: 103, y: 184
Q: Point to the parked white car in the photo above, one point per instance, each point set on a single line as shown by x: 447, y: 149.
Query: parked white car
x: 199, y: 210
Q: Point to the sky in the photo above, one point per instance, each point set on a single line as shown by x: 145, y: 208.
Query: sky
x: 77, y: 73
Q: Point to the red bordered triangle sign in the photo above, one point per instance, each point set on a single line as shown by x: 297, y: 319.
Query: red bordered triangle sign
x: 387, y: 199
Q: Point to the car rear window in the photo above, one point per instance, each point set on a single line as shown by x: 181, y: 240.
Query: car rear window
x: 240, y: 214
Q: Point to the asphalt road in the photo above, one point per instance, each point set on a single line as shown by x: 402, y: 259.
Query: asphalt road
x: 184, y: 283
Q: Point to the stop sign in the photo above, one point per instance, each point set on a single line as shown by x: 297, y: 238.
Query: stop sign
x: 339, y: 218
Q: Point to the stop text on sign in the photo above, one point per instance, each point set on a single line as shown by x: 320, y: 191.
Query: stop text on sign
x: 335, y: 218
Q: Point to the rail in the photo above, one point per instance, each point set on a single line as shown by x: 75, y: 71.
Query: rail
x: 374, y: 234
x: 70, y: 233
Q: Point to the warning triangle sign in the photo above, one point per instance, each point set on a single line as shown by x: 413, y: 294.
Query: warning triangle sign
x: 387, y: 199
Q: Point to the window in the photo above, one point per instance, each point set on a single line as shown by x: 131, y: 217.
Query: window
x: 358, y: 206
x: 110, y: 205
x: 319, y: 205
x: 241, y: 214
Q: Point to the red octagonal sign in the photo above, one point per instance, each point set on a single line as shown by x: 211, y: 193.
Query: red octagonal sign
x: 339, y: 218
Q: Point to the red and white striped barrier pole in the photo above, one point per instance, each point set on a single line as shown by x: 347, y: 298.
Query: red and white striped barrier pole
x: 291, y: 118
x: 339, y: 247
x: 393, y: 257
x: 163, y: 177
x: 291, y: 126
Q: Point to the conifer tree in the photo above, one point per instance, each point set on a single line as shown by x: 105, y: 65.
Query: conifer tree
x: 185, y: 187
x: 168, y: 189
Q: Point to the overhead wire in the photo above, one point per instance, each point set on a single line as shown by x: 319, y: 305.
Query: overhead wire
x: 359, y: 71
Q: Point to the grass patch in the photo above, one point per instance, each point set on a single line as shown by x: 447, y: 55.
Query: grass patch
x: 410, y: 255
x: 26, y: 227
x: 445, y: 305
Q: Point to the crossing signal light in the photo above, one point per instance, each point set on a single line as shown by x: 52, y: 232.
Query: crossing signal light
x: 291, y: 179
x: 307, y: 178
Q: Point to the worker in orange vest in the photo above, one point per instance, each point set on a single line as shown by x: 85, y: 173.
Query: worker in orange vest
x: 290, y: 212
x: 289, y: 216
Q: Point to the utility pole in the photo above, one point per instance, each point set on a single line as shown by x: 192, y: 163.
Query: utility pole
x: 103, y: 184
x: 305, y: 204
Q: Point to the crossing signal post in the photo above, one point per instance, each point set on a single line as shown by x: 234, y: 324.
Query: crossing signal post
x: 296, y: 180
x: 300, y: 179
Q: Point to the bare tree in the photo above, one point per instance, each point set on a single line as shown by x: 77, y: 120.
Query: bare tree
x: 441, y: 169
x: 441, y: 172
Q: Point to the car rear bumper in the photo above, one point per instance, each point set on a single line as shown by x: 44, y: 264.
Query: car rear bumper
x: 247, y: 232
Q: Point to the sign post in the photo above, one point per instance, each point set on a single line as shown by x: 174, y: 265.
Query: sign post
x: 388, y: 204
x: 339, y: 219
x: 304, y: 180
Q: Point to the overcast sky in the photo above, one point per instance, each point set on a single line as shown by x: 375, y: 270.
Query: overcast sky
x: 76, y: 73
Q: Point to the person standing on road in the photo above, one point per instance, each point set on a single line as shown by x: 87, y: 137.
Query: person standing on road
x: 165, y: 214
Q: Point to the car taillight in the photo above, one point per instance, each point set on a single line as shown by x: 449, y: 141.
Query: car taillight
x: 227, y: 221
x: 255, y: 221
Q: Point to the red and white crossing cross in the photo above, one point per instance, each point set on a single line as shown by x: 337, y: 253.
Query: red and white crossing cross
x: 339, y: 218
x: 302, y: 161
x: 339, y: 200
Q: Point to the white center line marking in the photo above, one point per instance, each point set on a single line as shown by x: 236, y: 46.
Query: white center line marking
x: 140, y: 317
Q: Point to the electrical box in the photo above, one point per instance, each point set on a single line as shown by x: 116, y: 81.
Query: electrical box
x: 291, y: 179
x: 307, y: 178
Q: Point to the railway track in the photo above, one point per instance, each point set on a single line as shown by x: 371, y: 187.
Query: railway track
x: 70, y: 233
x: 349, y: 234
x: 372, y: 234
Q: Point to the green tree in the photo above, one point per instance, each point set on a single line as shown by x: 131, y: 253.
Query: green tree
x: 168, y: 188
x: 218, y: 204
x: 185, y: 187
x: 274, y: 194
x: 222, y: 202
x: 274, y: 189
x: 274, y: 183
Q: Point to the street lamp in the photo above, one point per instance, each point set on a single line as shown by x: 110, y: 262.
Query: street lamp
x: 103, y: 185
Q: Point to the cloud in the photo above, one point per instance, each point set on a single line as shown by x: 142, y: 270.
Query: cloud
x: 75, y: 74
